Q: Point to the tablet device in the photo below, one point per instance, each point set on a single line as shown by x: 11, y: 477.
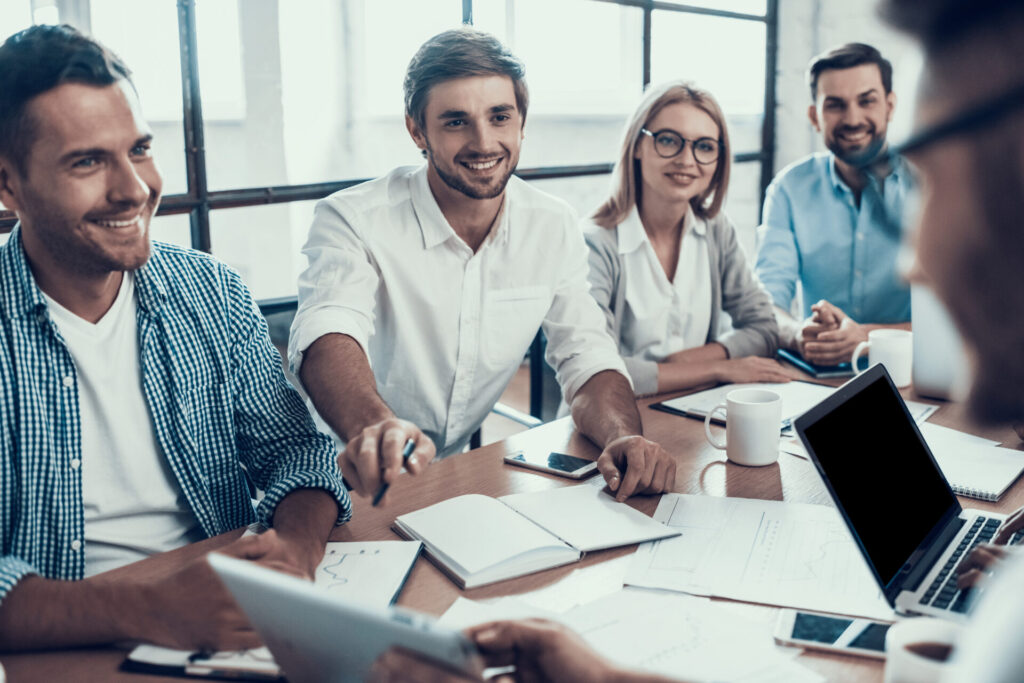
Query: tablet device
x: 317, y: 636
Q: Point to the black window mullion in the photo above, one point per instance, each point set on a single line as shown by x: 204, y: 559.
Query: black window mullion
x: 192, y: 108
x: 768, y: 122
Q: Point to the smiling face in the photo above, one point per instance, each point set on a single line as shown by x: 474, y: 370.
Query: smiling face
x: 679, y: 179
x: 472, y: 134
x: 852, y: 112
x: 90, y: 185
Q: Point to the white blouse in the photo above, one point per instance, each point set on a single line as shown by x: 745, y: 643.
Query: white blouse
x: 664, y: 317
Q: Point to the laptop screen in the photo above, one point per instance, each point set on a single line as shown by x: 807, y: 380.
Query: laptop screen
x: 881, y: 474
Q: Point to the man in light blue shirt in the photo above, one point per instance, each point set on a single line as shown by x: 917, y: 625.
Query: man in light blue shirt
x: 824, y: 219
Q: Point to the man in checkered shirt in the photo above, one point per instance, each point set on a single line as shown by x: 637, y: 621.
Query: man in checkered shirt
x: 139, y: 385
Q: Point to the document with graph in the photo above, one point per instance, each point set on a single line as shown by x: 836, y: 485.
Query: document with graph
x: 776, y: 553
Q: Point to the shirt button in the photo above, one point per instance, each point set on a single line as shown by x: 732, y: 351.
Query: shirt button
x: 858, y: 273
x: 75, y: 463
x: 860, y: 236
x: 68, y: 381
x: 76, y: 544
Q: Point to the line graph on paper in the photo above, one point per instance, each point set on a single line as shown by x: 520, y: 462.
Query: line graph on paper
x: 370, y: 572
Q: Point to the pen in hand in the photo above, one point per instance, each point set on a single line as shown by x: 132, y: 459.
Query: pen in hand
x: 410, y: 446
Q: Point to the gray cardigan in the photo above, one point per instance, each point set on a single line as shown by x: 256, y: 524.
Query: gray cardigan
x: 734, y: 288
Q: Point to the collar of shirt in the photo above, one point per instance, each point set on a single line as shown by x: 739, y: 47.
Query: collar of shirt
x: 893, y: 177
x: 435, y: 228
x: 632, y: 234
x: 21, y: 294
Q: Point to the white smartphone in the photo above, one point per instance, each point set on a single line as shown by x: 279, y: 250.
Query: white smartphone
x: 847, y: 635
x: 553, y: 463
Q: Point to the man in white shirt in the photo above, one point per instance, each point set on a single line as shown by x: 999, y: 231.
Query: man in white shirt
x: 440, y: 276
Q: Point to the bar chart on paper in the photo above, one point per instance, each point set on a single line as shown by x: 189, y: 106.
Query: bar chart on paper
x: 786, y: 554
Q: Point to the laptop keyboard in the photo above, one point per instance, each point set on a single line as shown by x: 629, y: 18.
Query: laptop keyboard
x: 943, y: 592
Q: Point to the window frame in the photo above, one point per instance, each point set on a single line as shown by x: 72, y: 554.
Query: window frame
x: 198, y: 200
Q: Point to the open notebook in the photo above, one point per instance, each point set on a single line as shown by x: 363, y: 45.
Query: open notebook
x: 477, y: 540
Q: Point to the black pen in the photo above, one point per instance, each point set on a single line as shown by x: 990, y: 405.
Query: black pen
x: 410, y: 446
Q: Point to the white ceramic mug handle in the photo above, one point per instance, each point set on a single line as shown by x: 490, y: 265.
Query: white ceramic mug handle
x: 707, y: 426
x: 863, y: 346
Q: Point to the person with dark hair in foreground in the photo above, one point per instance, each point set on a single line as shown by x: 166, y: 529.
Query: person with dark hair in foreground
x: 140, y: 388
x: 969, y: 151
x: 823, y: 225
x: 439, y: 277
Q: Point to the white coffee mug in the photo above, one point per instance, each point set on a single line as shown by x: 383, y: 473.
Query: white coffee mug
x: 753, y: 420
x: 892, y: 348
x: 917, y: 650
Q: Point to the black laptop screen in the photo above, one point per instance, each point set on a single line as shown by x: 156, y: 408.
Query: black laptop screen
x: 881, y: 474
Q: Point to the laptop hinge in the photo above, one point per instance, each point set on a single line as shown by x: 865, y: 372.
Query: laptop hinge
x: 938, y: 546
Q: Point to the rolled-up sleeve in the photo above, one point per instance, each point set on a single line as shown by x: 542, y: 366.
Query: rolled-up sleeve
x: 579, y: 345
x: 12, y: 570
x: 276, y: 438
x: 778, y: 260
x: 338, y: 287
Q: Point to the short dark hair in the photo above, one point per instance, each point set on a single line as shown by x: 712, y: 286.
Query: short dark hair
x: 937, y: 22
x: 846, y: 57
x: 37, y: 60
x: 459, y: 53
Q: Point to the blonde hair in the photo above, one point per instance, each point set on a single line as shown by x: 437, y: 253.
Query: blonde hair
x: 625, y: 190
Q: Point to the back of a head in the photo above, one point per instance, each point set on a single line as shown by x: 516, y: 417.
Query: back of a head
x: 460, y: 53
x: 37, y: 60
x: 846, y: 57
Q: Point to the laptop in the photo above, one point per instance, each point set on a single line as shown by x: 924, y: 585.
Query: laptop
x: 316, y: 636
x: 893, y: 497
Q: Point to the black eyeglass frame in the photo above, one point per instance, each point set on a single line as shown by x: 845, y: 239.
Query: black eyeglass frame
x: 682, y: 148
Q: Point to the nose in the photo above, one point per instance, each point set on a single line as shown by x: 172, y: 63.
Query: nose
x: 484, y: 140
x: 687, y: 155
x: 853, y: 116
x: 127, y: 184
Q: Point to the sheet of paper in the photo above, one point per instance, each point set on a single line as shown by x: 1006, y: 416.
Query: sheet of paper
x: 586, y: 517
x: 919, y: 411
x: 797, y: 397
x: 939, y: 437
x: 786, y: 554
x: 464, y: 612
x: 371, y: 572
x: 683, y: 637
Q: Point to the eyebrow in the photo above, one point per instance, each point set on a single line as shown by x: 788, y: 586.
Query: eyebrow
x: 99, y: 151
x: 837, y: 98
x: 460, y: 114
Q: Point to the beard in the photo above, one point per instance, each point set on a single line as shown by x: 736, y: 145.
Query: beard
x: 452, y: 179
x: 860, y: 157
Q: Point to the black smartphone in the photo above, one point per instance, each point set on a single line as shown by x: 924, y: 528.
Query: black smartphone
x: 562, y: 464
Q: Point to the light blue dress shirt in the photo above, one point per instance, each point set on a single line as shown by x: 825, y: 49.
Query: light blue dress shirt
x: 814, y: 232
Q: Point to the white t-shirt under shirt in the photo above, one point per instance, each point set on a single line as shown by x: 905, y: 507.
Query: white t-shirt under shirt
x: 664, y: 317
x: 132, y: 503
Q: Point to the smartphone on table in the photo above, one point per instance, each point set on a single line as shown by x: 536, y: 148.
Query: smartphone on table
x: 561, y: 464
x: 846, y: 635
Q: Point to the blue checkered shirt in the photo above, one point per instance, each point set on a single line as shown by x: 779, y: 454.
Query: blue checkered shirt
x: 216, y: 393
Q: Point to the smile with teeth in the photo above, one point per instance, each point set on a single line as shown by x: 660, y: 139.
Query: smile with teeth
x: 481, y: 165
x: 117, y: 224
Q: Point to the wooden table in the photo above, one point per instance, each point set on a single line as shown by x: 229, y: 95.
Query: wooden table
x: 701, y: 470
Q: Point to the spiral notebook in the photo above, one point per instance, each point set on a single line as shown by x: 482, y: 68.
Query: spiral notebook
x: 974, y: 467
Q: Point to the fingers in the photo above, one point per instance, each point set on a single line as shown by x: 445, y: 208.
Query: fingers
x: 980, y: 560
x: 392, y: 442
x: 374, y: 456
x: 609, y: 470
x: 1010, y: 526
x: 828, y: 354
x: 970, y: 579
x: 636, y: 464
x: 422, y: 455
x: 664, y: 478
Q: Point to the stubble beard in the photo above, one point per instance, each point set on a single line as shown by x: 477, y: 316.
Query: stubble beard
x: 452, y: 180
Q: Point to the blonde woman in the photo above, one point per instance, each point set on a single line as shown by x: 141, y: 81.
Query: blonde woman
x: 664, y: 260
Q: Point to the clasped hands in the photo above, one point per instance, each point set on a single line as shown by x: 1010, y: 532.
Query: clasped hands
x: 829, y: 336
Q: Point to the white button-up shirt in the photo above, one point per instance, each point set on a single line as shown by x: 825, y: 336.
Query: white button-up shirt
x: 664, y: 316
x: 445, y: 328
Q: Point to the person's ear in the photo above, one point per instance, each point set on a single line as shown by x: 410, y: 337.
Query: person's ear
x: 890, y: 101
x: 416, y: 133
x: 10, y: 186
x: 812, y: 114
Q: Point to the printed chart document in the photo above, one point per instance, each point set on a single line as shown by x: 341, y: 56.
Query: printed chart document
x: 372, y: 573
x: 477, y: 540
x: 786, y: 554
x: 674, y: 635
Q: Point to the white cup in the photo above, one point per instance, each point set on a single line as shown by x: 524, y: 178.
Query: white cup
x: 908, y: 643
x: 892, y: 348
x: 753, y: 420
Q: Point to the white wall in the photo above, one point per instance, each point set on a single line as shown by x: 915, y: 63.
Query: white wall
x: 809, y: 27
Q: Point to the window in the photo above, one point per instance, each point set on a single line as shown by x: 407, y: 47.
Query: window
x: 299, y: 99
